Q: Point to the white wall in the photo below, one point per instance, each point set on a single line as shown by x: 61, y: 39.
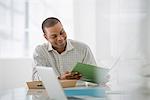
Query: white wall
x: 15, y: 72
x: 148, y: 35
x: 103, y: 30
x: 0, y: 77
x: 84, y: 22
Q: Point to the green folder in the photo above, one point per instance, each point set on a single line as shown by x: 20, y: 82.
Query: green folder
x: 91, y: 73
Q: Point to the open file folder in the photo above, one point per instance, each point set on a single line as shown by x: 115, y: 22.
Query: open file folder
x: 91, y: 73
x: 85, y: 91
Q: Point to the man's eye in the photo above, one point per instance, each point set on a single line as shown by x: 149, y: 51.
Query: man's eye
x: 53, y: 36
x: 62, y: 32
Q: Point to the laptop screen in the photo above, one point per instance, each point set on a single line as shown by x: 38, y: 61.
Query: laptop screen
x: 51, y: 83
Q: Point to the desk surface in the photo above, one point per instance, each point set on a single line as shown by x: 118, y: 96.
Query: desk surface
x: 33, y: 94
x: 39, y: 94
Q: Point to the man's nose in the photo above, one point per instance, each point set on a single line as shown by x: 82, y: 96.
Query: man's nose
x: 60, y: 37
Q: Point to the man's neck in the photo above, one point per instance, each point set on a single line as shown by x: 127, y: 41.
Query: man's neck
x: 60, y: 50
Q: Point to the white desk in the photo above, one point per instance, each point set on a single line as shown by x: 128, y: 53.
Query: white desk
x: 37, y: 94
x: 34, y: 94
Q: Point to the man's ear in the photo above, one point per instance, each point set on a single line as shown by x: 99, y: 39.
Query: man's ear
x: 45, y: 36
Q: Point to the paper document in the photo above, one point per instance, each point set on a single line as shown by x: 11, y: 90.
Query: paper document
x: 91, y: 73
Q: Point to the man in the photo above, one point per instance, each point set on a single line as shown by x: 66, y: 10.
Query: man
x: 60, y: 53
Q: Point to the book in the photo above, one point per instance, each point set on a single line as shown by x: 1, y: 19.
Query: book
x: 85, y: 91
x: 91, y: 73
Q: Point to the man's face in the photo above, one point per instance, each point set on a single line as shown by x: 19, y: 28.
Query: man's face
x: 56, y: 36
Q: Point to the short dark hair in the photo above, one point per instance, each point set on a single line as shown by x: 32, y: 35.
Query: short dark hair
x: 49, y: 22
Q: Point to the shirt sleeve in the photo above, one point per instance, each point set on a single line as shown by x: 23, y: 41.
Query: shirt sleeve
x: 39, y: 60
x: 38, y: 56
x: 89, y: 58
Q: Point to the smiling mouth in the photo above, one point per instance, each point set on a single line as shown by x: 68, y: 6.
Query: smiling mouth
x: 61, y: 43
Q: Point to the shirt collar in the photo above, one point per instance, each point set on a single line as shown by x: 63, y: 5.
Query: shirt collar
x: 68, y: 47
x: 49, y: 46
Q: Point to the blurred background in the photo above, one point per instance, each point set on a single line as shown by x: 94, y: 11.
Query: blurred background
x: 117, y: 32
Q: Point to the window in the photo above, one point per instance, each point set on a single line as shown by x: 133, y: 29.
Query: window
x: 20, y: 27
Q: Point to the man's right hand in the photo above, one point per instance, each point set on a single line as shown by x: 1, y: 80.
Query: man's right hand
x: 70, y: 75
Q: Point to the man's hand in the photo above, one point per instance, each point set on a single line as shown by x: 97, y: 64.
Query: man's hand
x: 70, y: 75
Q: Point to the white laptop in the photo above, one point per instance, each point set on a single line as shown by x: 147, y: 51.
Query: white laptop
x: 52, y: 84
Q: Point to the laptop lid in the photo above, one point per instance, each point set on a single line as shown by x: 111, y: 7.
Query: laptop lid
x: 51, y: 83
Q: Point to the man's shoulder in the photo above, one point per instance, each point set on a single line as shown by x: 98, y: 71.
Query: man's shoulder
x: 78, y: 44
x: 41, y: 46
